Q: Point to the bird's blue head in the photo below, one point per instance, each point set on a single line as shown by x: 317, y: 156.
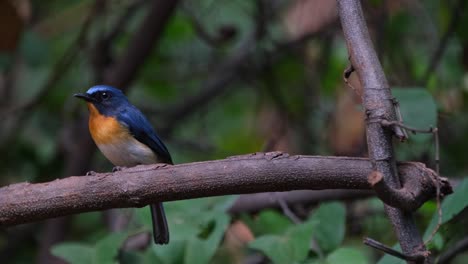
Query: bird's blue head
x: 106, y: 99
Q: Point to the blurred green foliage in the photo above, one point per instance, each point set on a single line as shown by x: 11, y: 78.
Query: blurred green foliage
x: 287, y: 90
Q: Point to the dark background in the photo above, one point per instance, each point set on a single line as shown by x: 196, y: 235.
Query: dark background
x: 221, y: 78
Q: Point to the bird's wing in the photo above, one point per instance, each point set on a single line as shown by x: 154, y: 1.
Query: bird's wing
x: 142, y: 130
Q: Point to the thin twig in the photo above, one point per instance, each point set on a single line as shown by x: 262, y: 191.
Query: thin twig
x: 402, y: 134
x: 435, y: 131
x: 385, y: 122
x: 439, y: 213
x: 432, y: 130
x: 346, y: 74
x: 285, y: 208
x: 459, y: 247
x: 379, y: 246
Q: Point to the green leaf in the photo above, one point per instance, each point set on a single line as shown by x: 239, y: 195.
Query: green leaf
x: 330, y: 231
x: 74, y: 253
x: 87, y: 223
x: 273, y: 247
x: 107, y: 249
x: 333, y: 71
x: 269, y: 222
x: 389, y: 259
x: 418, y: 109
x: 104, y: 251
x: 131, y: 257
x: 451, y: 206
x: 171, y: 253
x: 199, y: 250
x: 292, y: 246
x: 346, y: 255
x: 197, y: 227
x: 300, y: 237
x: 135, y: 257
x: 437, y: 243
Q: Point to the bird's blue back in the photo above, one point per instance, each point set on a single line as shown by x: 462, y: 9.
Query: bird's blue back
x: 141, y: 129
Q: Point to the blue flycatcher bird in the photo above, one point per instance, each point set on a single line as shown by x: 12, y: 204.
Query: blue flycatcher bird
x: 126, y: 138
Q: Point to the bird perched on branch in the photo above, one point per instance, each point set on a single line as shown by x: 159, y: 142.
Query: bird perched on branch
x: 126, y: 138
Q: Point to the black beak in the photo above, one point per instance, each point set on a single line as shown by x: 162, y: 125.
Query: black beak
x: 85, y: 97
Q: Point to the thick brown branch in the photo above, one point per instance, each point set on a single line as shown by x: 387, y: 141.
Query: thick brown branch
x: 142, y: 185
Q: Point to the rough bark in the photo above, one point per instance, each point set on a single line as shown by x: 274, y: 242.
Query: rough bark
x: 143, y: 185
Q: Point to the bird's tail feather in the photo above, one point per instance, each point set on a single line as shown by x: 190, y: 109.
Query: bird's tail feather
x: 160, y: 228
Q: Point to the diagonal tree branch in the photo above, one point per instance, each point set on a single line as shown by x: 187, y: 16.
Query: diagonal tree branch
x: 459, y: 247
x: 143, y: 185
x: 377, y: 100
x: 457, y: 12
x: 124, y: 71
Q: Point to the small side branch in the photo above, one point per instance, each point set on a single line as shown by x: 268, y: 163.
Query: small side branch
x: 459, y: 247
x: 143, y: 185
x: 386, y: 249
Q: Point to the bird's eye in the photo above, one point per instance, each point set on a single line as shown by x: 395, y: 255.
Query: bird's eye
x: 104, y: 96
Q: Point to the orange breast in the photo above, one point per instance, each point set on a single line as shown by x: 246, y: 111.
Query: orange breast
x: 104, y: 129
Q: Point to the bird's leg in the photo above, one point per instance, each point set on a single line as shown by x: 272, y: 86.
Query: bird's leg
x: 118, y: 168
x: 161, y: 165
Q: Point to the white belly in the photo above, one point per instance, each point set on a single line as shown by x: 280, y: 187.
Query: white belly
x: 128, y: 153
